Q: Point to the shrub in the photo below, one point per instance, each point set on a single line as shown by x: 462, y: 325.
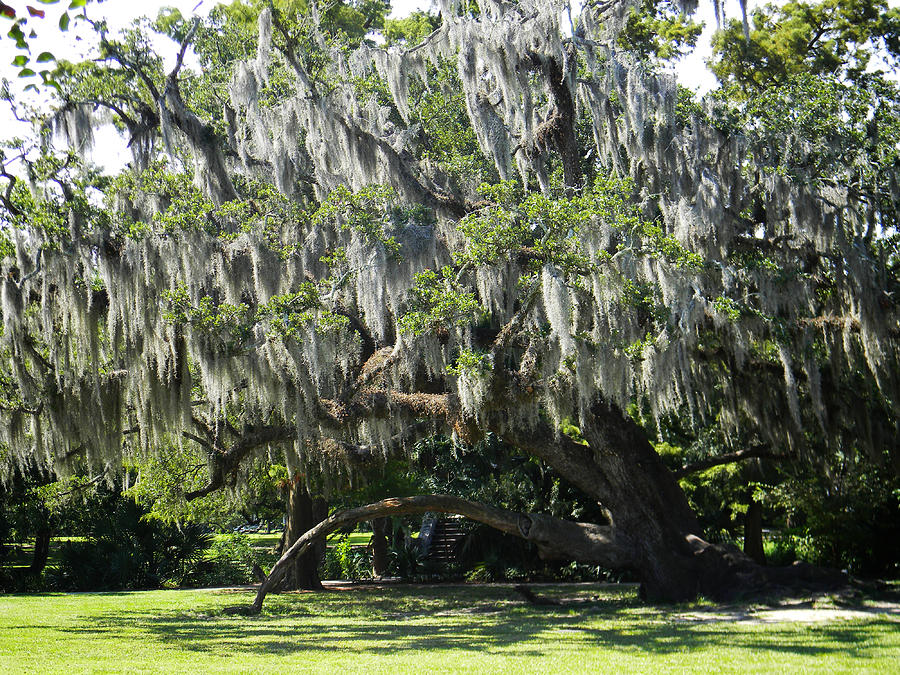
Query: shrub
x: 124, y: 550
x: 344, y: 561
x: 231, y: 559
x: 405, y: 559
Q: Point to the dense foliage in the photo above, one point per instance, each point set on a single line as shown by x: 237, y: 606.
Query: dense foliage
x: 325, y: 250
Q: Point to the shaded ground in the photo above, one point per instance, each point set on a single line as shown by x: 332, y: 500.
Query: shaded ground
x: 396, y: 628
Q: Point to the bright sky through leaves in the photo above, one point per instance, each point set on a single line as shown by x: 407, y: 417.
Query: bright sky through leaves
x: 692, y: 71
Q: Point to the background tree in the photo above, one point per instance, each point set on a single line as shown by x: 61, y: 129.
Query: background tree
x: 340, y: 276
x: 843, y: 38
x: 160, y: 481
x: 29, y: 512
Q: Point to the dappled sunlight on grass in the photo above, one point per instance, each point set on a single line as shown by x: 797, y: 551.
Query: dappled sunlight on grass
x: 374, y: 629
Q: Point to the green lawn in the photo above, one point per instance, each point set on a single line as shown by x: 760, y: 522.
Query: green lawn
x: 23, y: 552
x: 419, y: 629
x: 263, y: 540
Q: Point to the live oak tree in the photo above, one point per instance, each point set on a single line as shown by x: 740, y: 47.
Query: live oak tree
x: 794, y: 58
x: 325, y: 249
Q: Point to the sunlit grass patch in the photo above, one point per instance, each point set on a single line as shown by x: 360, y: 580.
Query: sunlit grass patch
x: 594, y: 628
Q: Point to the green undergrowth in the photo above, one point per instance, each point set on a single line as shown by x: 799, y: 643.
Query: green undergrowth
x: 263, y: 540
x: 594, y: 628
x: 21, y: 554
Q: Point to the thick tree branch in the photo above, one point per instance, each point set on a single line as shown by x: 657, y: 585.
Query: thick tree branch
x: 362, y: 454
x: 512, y: 327
x: 223, y: 464
x: 385, y: 403
x: 375, y: 365
x: 179, y: 61
x: 199, y: 441
x: 6, y: 197
x: 207, y: 431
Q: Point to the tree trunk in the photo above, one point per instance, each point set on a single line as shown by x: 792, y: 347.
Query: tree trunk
x: 642, y: 500
x: 41, y: 550
x: 380, y: 529
x: 303, y: 513
x: 647, y: 510
x: 753, y: 542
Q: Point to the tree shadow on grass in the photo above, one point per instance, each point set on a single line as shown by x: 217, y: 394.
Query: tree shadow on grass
x: 383, y: 621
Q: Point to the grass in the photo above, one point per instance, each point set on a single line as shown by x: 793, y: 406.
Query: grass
x: 23, y: 552
x: 417, y: 629
x: 263, y: 540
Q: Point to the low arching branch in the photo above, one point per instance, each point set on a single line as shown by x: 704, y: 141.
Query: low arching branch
x: 554, y: 537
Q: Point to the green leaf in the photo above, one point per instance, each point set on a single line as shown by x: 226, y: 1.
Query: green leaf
x: 27, y: 72
x: 20, y: 61
x: 48, y: 2
x: 43, y: 57
x: 75, y: 4
x: 16, y: 34
x: 64, y: 22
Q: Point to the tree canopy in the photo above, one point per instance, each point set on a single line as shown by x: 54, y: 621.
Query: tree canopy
x: 834, y: 37
x: 325, y: 249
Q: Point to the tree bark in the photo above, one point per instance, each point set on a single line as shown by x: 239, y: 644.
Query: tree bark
x: 753, y: 542
x: 41, y: 550
x: 380, y: 529
x: 304, y: 512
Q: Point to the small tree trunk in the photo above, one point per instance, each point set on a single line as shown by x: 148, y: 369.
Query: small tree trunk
x: 753, y: 542
x: 380, y: 528
x: 41, y: 550
x: 303, y: 513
